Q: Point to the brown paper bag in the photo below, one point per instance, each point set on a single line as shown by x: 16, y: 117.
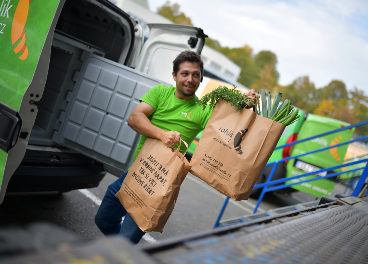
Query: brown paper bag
x: 151, y: 187
x: 233, y: 150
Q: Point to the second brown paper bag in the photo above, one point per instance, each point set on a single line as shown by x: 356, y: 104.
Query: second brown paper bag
x: 233, y: 149
x: 151, y: 187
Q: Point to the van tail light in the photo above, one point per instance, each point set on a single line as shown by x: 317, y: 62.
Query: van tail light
x: 286, y: 151
x: 345, y: 126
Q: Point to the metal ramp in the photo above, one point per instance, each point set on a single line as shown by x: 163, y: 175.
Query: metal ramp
x: 271, y: 212
x: 332, y: 233
x: 335, y: 232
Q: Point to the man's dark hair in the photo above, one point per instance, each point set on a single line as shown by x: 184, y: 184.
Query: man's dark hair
x: 190, y: 56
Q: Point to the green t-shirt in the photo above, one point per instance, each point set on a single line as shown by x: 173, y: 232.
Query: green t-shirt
x: 173, y: 114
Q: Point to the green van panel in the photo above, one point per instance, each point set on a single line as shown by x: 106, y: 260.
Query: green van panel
x: 289, y: 130
x: 24, y: 26
x: 315, y: 125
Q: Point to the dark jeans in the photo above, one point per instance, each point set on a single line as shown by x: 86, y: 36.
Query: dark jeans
x: 110, y: 213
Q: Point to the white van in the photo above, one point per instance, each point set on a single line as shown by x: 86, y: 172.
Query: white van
x: 73, y: 71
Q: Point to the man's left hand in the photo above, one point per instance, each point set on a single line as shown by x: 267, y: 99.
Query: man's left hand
x: 252, y: 95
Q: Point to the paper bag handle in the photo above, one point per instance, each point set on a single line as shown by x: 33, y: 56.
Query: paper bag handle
x: 178, y: 148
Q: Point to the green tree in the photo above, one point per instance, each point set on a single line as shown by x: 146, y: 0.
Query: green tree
x: 325, y: 108
x: 213, y: 44
x: 173, y: 13
x: 335, y: 90
x: 358, y: 102
x: 266, y: 79
x: 265, y: 57
x: 302, y: 93
x: 349, y: 106
x: 243, y: 58
x: 267, y: 75
x: 342, y: 112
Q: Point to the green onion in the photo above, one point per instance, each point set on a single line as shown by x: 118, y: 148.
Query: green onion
x: 275, y: 104
x: 264, y: 103
x: 269, y: 105
x: 282, y: 112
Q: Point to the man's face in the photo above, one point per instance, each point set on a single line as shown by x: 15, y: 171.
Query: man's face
x: 187, y: 80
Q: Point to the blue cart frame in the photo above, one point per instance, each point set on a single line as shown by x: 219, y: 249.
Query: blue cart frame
x: 265, y: 186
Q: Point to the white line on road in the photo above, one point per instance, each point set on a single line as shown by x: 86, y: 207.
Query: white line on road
x: 91, y: 196
x: 206, y: 186
x: 98, y: 202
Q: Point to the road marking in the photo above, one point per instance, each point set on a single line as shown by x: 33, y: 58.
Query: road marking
x: 236, y: 203
x: 98, y: 202
x: 91, y: 196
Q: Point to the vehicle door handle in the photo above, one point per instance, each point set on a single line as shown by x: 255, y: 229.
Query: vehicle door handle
x: 10, y: 125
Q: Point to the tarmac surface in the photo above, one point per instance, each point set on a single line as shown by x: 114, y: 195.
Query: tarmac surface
x: 196, y: 210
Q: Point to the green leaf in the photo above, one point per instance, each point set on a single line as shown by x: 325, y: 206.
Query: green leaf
x: 264, y: 103
x: 276, y: 102
x: 269, y: 105
x: 232, y: 96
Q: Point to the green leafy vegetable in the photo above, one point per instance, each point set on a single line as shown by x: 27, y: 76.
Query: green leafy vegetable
x: 232, y: 96
x: 282, y: 112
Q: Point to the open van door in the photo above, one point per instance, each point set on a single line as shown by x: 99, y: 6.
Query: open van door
x: 165, y: 42
x: 106, y: 92
x: 26, y: 31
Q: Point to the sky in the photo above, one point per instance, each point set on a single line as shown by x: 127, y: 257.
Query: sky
x: 323, y: 39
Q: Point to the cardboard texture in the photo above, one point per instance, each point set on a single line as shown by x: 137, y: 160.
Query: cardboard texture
x: 233, y: 150
x: 151, y: 187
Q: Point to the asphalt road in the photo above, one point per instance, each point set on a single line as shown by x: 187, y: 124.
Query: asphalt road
x: 196, y: 210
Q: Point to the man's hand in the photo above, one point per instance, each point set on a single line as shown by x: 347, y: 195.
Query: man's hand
x: 252, y: 95
x: 170, y: 138
x: 138, y: 120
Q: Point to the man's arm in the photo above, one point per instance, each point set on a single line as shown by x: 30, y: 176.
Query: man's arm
x: 138, y: 120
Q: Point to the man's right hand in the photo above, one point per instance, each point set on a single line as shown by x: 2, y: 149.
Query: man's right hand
x: 170, y: 138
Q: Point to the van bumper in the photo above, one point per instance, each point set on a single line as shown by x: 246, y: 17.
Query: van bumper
x: 69, y: 172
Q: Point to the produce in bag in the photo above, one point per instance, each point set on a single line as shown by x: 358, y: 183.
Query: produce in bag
x: 236, y: 143
x: 282, y: 112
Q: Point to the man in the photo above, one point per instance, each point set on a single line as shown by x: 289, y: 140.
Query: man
x: 167, y: 114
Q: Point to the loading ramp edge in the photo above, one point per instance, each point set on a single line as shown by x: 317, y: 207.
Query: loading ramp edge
x: 334, y: 232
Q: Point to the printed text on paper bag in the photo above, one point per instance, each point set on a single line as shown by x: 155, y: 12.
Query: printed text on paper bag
x: 237, y: 140
x: 134, y: 196
x: 150, y: 174
x: 214, y: 166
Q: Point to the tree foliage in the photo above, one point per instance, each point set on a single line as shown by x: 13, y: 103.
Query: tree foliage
x: 243, y: 58
x: 335, y: 90
x: 358, y: 103
x: 325, y: 108
x: 213, y: 44
x: 173, y: 13
x: 266, y: 79
x: 266, y: 58
x: 302, y: 93
x: 332, y: 100
x: 259, y: 71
